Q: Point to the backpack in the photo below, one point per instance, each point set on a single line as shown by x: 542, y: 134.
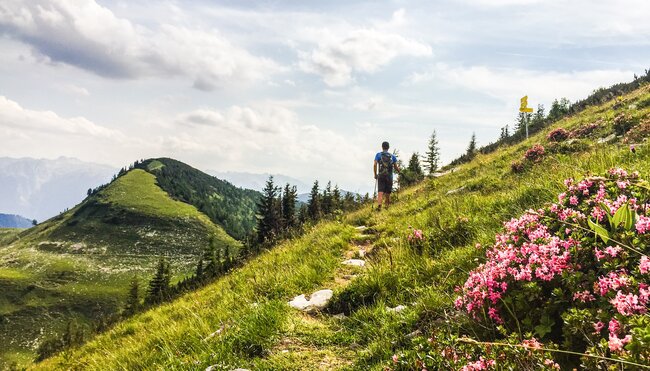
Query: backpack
x: 385, y: 164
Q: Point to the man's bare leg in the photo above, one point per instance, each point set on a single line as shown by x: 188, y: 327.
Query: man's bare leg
x: 387, y: 200
x: 380, y: 197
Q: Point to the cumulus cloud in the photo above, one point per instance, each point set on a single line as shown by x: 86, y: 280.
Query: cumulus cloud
x: 13, y: 116
x: 269, y: 137
x: 508, y: 85
x: 87, y: 35
x: 338, y: 55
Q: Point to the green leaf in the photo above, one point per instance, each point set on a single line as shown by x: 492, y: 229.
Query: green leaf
x: 598, y: 230
x: 544, y: 327
x: 620, y: 216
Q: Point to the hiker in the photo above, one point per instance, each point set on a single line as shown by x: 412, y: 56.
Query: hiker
x: 383, y: 167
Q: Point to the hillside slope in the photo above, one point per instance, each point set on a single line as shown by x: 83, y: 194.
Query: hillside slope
x: 78, y: 265
x: 243, y: 319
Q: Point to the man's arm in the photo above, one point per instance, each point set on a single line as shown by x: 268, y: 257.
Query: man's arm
x: 396, y: 167
x: 374, y: 169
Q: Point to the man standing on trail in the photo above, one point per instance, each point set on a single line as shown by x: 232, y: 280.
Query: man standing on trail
x: 383, y: 167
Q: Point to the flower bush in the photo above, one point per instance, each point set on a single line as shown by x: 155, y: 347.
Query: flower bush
x: 446, y: 351
x: 535, y: 153
x: 416, y: 239
x: 586, y: 130
x: 575, y: 272
x: 558, y: 135
x: 638, y: 133
x: 517, y: 167
x: 622, y: 124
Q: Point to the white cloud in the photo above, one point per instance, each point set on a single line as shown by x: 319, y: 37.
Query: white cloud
x: 271, y: 138
x: 339, y: 55
x: 13, y: 116
x: 508, y: 85
x: 87, y: 35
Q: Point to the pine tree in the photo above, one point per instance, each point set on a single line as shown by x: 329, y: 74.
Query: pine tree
x: 432, y: 155
x: 211, y: 256
x: 303, y: 214
x: 159, y: 288
x: 289, y: 198
x: 336, y: 199
x: 314, y: 204
x: 133, y: 304
x: 269, y: 213
x: 505, y: 133
x: 326, y: 203
x: 413, y: 172
x: 471, y: 148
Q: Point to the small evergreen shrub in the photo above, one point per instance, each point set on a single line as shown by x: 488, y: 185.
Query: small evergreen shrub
x: 535, y: 153
x: 576, y: 272
x: 517, y: 167
x: 586, y: 130
x: 558, y: 135
x: 622, y: 124
x: 638, y: 133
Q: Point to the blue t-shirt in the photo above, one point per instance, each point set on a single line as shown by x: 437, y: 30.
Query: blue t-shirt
x: 393, y: 160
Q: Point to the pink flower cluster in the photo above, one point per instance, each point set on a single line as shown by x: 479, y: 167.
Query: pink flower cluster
x: 416, y: 235
x: 559, y: 247
x: 481, y: 364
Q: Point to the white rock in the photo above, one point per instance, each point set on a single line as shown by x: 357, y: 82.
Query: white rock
x: 299, y: 302
x: 339, y: 316
x: 361, y: 228
x: 318, y: 300
x: 451, y: 192
x: 397, y: 309
x: 607, y: 139
x: 362, y: 253
x: 355, y: 262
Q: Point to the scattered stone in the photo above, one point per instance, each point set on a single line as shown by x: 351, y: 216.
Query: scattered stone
x: 607, y: 139
x: 218, y: 332
x: 397, y: 309
x: 361, y: 228
x: 317, y: 301
x: 362, y: 253
x: 355, y: 262
x: 339, y: 316
x: 414, y: 334
x: 571, y: 141
x: 349, y: 276
x: 451, y: 192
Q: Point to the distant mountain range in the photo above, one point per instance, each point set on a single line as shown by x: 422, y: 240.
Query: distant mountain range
x: 258, y: 181
x: 40, y: 189
x: 14, y: 221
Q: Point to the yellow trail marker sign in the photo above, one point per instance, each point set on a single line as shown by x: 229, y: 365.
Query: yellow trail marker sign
x: 524, y: 105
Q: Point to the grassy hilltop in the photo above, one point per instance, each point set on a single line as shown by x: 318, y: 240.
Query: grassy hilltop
x: 243, y: 319
x: 78, y: 265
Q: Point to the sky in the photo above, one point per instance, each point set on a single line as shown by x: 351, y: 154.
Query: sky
x: 308, y: 89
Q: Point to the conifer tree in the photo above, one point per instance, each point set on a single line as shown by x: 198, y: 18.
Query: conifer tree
x: 289, y: 198
x: 269, y: 213
x: 336, y: 199
x: 471, y: 148
x: 211, y: 256
x: 303, y: 214
x: 133, y: 304
x: 432, y: 155
x: 326, y: 203
x: 314, y: 204
x: 159, y: 289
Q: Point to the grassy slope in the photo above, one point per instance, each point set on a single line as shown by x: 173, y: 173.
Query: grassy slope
x: 79, y: 264
x: 260, y: 331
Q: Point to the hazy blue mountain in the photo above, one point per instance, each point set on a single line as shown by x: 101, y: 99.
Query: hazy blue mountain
x: 40, y: 188
x: 257, y: 181
x: 14, y: 221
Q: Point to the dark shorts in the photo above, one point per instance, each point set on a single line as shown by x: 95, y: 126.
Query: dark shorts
x: 384, y: 184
